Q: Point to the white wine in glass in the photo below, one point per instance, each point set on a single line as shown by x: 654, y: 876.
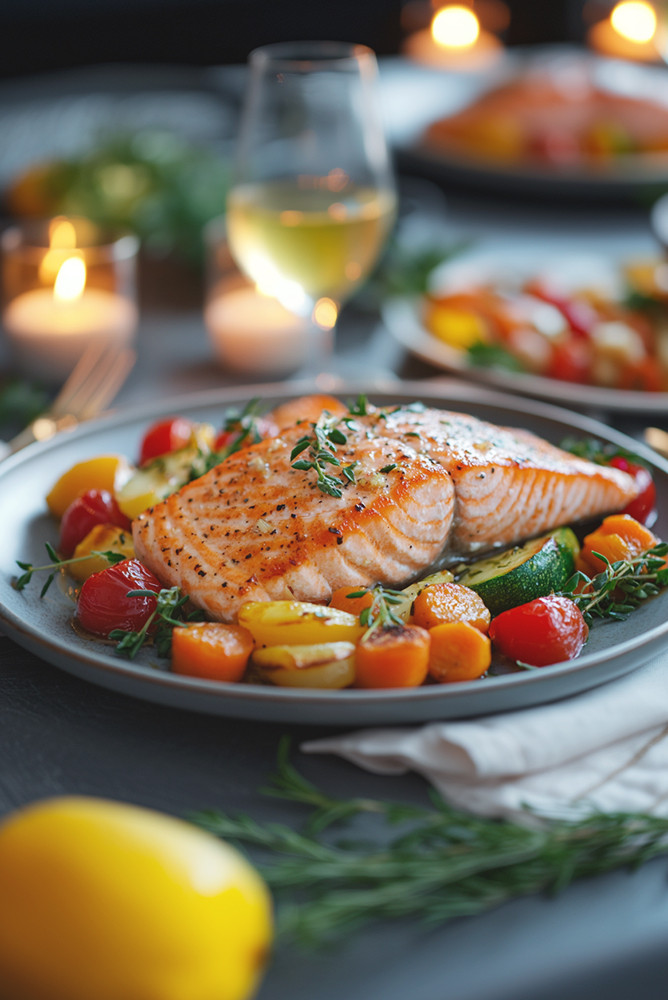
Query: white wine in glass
x: 314, y: 199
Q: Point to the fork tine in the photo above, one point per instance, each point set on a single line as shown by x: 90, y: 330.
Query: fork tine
x: 107, y: 386
x: 98, y: 378
x: 86, y: 366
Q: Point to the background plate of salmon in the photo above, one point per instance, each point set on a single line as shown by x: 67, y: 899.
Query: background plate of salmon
x: 44, y: 626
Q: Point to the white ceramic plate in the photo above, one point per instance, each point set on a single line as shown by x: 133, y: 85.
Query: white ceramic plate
x: 509, y: 266
x: 44, y: 625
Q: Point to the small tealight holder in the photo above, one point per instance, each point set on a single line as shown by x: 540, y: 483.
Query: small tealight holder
x: 66, y: 284
x: 251, y: 333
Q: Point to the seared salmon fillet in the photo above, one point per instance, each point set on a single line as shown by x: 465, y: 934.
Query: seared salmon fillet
x: 509, y: 483
x: 256, y: 529
x: 423, y: 481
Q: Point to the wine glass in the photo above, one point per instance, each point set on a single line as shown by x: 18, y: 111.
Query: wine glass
x: 313, y: 199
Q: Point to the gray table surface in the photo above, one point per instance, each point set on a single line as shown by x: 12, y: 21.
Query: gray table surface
x: 61, y: 735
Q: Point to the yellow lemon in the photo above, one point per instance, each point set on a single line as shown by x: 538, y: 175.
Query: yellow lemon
x: 113, y: 902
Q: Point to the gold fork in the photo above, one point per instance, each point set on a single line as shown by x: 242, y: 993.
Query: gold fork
x: 93, y: 383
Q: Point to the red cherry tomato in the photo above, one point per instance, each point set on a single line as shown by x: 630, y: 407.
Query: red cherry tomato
x: 104, y: 604
x: 571, y: 361
x: 580, y: 316
x: 643, y: 507
x: 165, y: 436
x: 547, y: 630
x: 91, y: 508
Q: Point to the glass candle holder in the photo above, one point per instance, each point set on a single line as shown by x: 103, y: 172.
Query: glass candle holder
x: 250, y: 333
x: 65, y: 285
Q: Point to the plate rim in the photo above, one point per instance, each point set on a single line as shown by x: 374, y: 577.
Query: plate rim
x: 400, y: 318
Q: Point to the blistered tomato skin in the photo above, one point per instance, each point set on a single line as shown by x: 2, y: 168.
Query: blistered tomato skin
x: 544, y: 631
x: 104, y: 605
x: 92, y: 508
x: 165, y: 436
x: 642, y: 507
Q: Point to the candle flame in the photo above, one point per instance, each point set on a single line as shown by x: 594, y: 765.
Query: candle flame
x: 455, y: 27
x: 62, y: 234
x: 634, y: 20
x: 70, y: 280
x: 62, y: 239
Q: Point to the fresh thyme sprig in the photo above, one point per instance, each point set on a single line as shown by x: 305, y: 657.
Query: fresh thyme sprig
x: 599, y: 452
x: 322, y: 443
x: 168, y: 613
x: 379, y: 614
x: 435, y: 863
x: 244, y: 429
x: 621, y: 586
x: 57, y: 564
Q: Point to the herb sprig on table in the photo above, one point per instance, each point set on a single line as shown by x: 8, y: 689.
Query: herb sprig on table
x: 433, y: 863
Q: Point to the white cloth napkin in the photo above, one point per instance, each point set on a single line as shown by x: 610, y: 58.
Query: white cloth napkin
x: 606, y: 749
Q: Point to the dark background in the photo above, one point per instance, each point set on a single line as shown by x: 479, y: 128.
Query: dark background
x: 46, y: 35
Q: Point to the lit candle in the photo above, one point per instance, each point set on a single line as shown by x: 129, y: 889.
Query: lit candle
x: 255, y: 334
x: 50, y: 328
x: 54, y: 308
x: 454, y: 41
x: 629, y: 33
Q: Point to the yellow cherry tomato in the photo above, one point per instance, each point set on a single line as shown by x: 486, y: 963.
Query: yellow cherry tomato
x: 112, y: 902
x: 105, y: 472
x: 101, y: 538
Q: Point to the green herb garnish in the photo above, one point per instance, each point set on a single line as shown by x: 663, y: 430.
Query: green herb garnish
x: 57, y: 564
x: 493, y: 356
x: 379, y: 614
x: 244, y: 428
x: 620, y: 587
x: 431, y: 863
x: 168, y: 613
x: 598, y: 452
x: 321, y: 445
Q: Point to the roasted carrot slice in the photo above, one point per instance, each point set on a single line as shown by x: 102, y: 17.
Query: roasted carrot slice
x: 212, y: 650
x: 396, y: 657
x: 353, y: 605
x: 459, y: 652
x: 618, y: 537
x: 450, y: 602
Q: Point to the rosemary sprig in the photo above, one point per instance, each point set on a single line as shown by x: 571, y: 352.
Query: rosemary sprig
x: 321, y: 445
x: 379, y: 614
x: 57, y: 564
x: 435, y: 863
x: 168, y: 613
x: 621, y: 586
